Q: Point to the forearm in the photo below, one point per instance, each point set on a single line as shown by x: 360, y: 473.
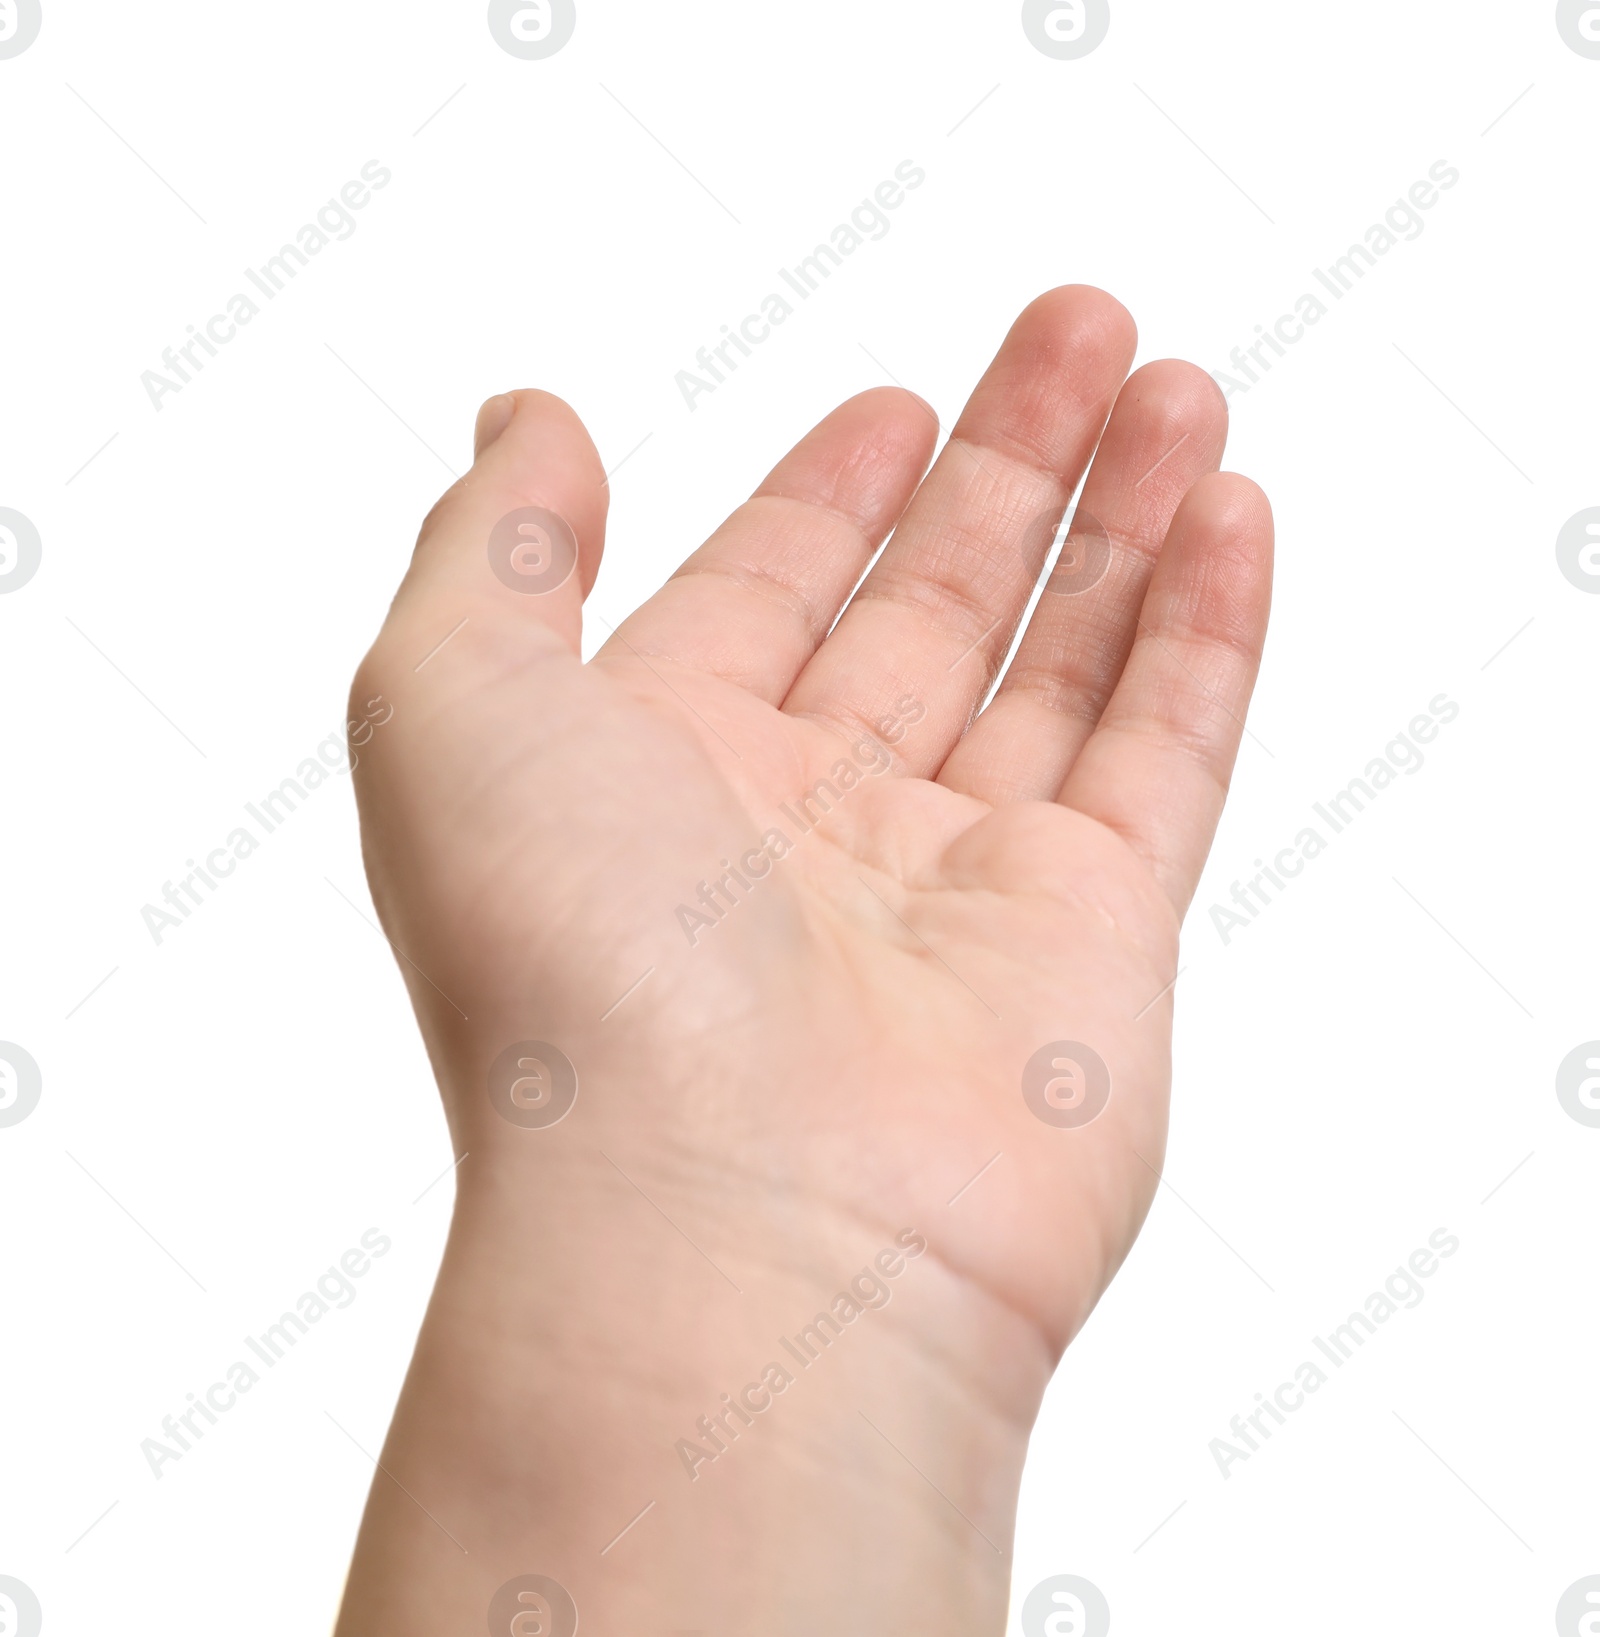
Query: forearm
x: 600, y: 1405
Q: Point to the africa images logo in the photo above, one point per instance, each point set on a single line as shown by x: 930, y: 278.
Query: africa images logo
x: 532, y: 29
x: 19, y: 28
x: 20, y: 1615
x: 1066, y: 1605
x: 20, y: 549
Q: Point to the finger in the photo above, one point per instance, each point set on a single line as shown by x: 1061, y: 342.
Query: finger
x: 515, y: 543
x: 937, y: 612
x: 751, y: 605
x: 1157, y: 767
x: 494, y: 416
x: 1169, y: 426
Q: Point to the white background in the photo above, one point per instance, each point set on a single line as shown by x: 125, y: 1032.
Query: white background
x: 232, y: 1109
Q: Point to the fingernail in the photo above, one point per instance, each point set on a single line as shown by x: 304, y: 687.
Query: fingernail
x: 493, y: 419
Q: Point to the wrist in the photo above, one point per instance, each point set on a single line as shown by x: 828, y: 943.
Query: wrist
x: 689, y: 1445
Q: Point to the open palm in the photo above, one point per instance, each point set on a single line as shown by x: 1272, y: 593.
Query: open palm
x: 830, y: 949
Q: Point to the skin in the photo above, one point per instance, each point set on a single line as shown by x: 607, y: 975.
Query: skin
x: 832, y: 1060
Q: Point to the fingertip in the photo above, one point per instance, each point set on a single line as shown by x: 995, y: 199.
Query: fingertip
x: 900, y: 404
x: 534, y: 455
x: 536, y: 417
x: 543, y: 438
x: 862, y: 457
x: 1047, y: 394
x: 1234, y: 504
x: 906, y: 420
x: 1221, y: 568
x: 494, y: 416
x: 1085, y: 312
x: 893, y: 411
x: 1188, y: 391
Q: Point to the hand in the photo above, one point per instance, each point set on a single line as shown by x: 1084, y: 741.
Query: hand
x: 803, y: 919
